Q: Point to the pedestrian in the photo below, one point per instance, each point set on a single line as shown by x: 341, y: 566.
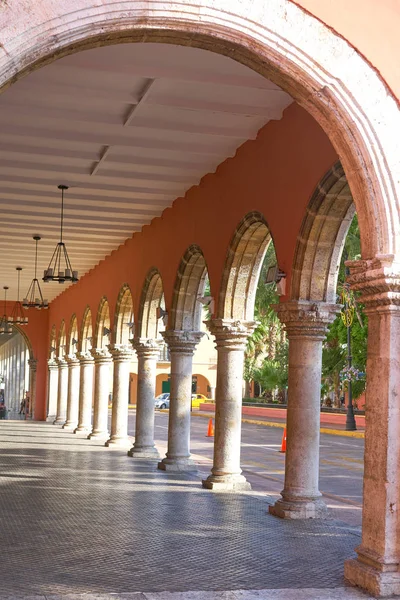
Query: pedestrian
x: 22, y: 407
x: 27, y: 404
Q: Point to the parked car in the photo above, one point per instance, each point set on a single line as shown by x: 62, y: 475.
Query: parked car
x: 162, y: 401
x: 198, y: 399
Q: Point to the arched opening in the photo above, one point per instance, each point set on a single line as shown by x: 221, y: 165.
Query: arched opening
x: 53, y: 343
x: 103, y: 327
x: 73, y: 337
x: 151, y: 319
x: 86, y: 341
x: 243, y: 265
x: 15, y: 379
x: 321, y: 238
x: 124, y: 323
x: 188, y: 298
x: 61, y: 342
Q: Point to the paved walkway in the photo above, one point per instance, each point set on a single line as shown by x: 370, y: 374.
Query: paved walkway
x: 77, y: 518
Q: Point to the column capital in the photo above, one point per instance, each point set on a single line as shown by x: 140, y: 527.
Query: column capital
x: 120, y: 352
x: 147, y: 347
x: 61, y: 363
x: 230, y: 334
x: 52, y: 365
x: 32, y: 362
x: 100, y: 355
x: 306, y: 319
x: 72, y: 360
x: 182, y: 341
x: 378, y: 282
x: 85, y: 358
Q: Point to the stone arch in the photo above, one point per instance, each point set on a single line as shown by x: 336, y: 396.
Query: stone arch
x: 73, y: 336
x: 53, y: 343
x: 86, y: 337
x: 321, y: 239
x: 26, y: 340
x: 242, y: 268
x: 61, y: 341
x: 101, y: 337
x: 123, y: 324
x: 152, y: 298
x: 353, y: 105
x: 190, y: 281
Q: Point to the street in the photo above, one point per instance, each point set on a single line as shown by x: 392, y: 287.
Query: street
x: 341, y: 462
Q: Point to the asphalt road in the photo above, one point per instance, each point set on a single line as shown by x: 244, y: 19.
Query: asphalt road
x: 341, y: 462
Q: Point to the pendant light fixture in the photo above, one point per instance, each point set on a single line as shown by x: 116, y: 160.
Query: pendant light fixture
x: 34, y: 297
x: 60, y: 268
x: 17, y: 315
x: 5, y: 326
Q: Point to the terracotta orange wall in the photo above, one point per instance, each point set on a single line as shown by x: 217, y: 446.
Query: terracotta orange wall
x: 370, y: 26
x: 274, y: 174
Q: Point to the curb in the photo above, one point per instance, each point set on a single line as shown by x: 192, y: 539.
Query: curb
x: 352, y: 434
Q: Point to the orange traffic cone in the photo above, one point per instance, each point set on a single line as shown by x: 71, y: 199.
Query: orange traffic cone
x: 283, y: 446
x: 210, y: 432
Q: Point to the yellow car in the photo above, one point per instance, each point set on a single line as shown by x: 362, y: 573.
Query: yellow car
x: 198, y: 399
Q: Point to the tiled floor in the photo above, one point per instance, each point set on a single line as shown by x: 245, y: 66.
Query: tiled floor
x: 79, y: 518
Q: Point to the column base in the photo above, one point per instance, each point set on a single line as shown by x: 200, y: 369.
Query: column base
x: 226, y: 483
x: 70, y: 426
x: 83, y: 429
x: 51, y: 419
x: 118, y: 443
x: 149, y: 452
x: 297, y: 509
x: 99, y: 435
x: 177, y: 465
x: 59, y: 421
x: 378, y: 583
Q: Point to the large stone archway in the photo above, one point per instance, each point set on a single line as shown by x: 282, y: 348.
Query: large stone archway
x: 277, y: 39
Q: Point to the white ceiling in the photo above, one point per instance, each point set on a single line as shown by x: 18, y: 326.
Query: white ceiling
x: 129, y: 128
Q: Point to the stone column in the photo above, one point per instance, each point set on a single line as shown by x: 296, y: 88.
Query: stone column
x: 376, y: 568
x: 122, y: 357
x: 181, y: 345
x: 85, y: 393
x: 102, y: 362
x: 32, y: 362
x: 62, y: 391
x: 52, y: 387
x: 73, y: 393
x: 231, y: 339
x: 306, y: 324
x: 148, y: 353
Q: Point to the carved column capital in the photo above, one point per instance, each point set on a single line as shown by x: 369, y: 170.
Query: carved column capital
x: 61, y: 363
x: 306, y: 319
x: 377, y: 281
x: 230, y: 334
x: 72, y: 360
x: 52, y: 364
x: 181, y: 341
x: 85, y: 358
x: 32, y: 362
x: 100, y: 355
x: 120, y: 352
x: 147, y: 347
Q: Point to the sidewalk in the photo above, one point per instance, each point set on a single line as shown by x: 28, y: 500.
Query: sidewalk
x: 332, y: 424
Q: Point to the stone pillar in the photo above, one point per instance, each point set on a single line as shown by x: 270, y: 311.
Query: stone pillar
x: 181, y: 345
x: 306, y: 324
x: 148, y: 353
x: 376, y: 568
x: 122, y: 357
x: 85, y: 393
x: 73, y: 393
x: 52, y: 388
x: 62, y: 391
x: 102, y: 362
x: 231, y: 339
x: 32, y: 362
